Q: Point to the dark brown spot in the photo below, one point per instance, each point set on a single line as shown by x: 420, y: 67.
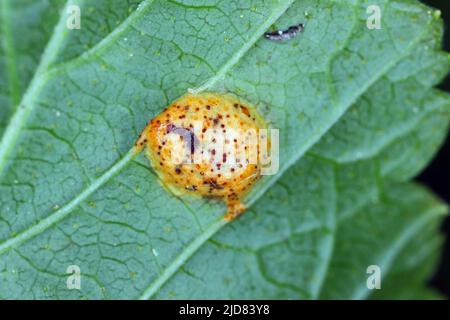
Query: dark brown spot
x: 245, y: 111
x: 213, y: 184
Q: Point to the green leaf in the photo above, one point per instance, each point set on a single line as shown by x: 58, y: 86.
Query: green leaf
x: 358, y: 118
x: 25, y: 28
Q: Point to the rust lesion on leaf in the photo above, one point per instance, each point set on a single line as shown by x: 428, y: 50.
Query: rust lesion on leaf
x: 206, y: 145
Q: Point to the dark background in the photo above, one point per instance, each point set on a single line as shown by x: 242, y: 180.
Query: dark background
x: 437, y: 175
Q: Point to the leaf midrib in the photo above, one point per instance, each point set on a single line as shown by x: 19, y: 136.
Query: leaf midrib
x: 61, y: 213
x: 24, y: 108
x: 45, y: 70
x: 10, y: 53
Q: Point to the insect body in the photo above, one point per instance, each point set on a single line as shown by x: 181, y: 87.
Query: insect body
x: 282, y: 35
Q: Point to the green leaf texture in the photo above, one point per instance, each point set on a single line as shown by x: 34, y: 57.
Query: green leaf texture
x: 358, y: 119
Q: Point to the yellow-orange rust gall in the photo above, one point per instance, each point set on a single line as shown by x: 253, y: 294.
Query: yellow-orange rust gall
x: 206, y: 144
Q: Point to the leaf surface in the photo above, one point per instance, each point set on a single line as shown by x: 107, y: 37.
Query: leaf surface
x: 357, y: 115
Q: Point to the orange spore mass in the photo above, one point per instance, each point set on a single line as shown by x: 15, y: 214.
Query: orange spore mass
x: 206, y: 144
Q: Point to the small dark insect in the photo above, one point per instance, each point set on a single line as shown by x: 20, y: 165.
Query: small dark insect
x: 282, y: 35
